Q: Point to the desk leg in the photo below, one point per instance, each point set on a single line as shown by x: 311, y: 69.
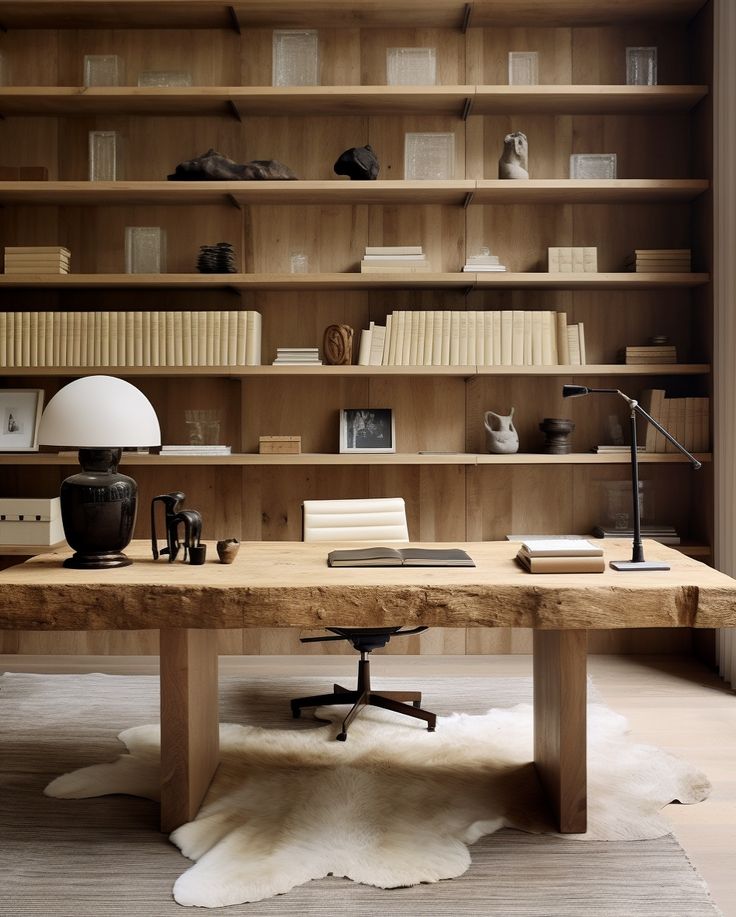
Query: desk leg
x: 189, y: 722
x: 560, y: 723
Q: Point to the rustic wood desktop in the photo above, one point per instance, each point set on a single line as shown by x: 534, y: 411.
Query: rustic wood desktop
x: 289, y: 585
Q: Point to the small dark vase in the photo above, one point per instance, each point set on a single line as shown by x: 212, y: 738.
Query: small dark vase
x: 98, y: 510
x: 556, y: 435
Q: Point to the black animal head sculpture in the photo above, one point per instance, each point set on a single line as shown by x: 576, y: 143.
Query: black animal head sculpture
x: 359, y: 163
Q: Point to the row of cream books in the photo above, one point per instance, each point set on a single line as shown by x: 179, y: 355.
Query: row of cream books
x: 445, y: 338
x: 560, y: 555
x: 181, y: 338
x: 687, y: 419
x: 37, y: 259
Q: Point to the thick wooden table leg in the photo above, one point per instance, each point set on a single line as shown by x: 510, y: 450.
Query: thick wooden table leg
x: 560, y: 723
x: 189, y: 722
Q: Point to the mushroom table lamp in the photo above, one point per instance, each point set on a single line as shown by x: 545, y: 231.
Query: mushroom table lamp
x: 99, y: 415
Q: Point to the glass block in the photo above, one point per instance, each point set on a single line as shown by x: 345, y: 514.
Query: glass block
x: 411, y: 66
x: 298, y: 263
x: 593, y: 165
x: 429, y: 156
x: 295, y: 57
x: 104, y: 156
x: 523, y: 68
x: 145, y: 250
x: 102, y: 70
x: 619, y: 504
x: 162, y: 78
x: 641, y: 66
x: 203, y: 427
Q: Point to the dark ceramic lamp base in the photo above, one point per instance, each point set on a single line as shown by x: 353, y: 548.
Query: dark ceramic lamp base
x: 98, y: 509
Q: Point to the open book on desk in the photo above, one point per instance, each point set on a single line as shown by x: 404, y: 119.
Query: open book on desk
x: 400, y: 557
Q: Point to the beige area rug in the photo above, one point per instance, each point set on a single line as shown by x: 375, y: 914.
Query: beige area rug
x: 393, y: 806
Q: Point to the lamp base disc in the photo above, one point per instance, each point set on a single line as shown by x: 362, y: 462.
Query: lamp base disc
x: 631, y: 566
x: 97, y: 561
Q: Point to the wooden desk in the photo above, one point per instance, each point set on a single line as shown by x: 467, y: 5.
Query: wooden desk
x: 288, y: 584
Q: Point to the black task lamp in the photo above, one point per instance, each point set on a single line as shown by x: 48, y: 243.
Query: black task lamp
x: 637, y: 561
x: 98, y: 415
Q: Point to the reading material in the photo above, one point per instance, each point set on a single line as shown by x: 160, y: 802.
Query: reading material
x: 403, y: 557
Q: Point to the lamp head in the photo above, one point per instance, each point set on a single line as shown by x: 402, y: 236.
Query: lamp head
x: 574, y: 391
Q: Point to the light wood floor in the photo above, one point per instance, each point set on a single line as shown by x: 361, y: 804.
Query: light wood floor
x: 670, y: 701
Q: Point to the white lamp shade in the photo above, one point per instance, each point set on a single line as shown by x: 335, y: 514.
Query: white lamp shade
x: 99, y: 412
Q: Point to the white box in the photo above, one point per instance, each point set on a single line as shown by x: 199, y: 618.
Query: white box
x: 31, y: 521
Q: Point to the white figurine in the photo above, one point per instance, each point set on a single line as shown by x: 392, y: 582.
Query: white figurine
x: 513, y: 161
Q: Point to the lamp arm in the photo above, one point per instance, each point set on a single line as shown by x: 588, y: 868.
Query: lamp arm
x: 635, y: 406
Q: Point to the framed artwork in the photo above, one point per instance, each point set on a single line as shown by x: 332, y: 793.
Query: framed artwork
x: 20, y: 415
x: 367, y: 430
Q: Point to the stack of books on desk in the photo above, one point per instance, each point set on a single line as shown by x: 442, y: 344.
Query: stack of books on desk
x: 297, y: 356
x: 609, y: 449
x: 37, y: 259
x: 665, y: 534
x: 393, y: 259
x: 660, y: 260
x: 560, y: 555
x: 484, y: 262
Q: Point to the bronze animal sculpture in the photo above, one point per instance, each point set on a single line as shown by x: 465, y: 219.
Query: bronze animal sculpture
x: 190, y: 519
x: 213, y: 166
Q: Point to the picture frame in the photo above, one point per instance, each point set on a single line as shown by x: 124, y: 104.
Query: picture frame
x: 20, y: 416
x: 367, y: 430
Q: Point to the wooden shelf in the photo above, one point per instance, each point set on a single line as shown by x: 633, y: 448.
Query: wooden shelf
x: 582, y: 100
x: 612, y: 369
x: 355, y: 281
x: 587, y: 191
x: 413, y: 458
x: 464, y: 191
x: 308, y: 101
x: 213, y: 14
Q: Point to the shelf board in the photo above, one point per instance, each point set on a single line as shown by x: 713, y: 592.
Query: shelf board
x: 355, y: 281
x: 235, y: 192
x: 306, y: 101
x: 483, y: 191
x: 213, y: 14
x: 398, y: 458
x: 582, y: 100
x: 612, y: 369
x: 309, y: 101
x: 587, y: 191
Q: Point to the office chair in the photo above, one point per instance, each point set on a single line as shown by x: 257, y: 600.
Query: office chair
x: 380, y: 522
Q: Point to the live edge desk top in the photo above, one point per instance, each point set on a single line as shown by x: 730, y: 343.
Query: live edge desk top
x: 290, y: 585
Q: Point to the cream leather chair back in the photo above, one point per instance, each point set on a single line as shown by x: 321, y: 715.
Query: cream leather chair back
x: 379, y: 521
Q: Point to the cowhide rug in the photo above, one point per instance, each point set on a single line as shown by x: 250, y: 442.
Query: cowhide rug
x: 392, y: 806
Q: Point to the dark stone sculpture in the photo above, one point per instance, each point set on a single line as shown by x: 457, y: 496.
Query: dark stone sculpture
x: 338, y: 345
x: 213, y: 166
x: 359, y: 163
x: 216, y: 259
x: 557, y: 432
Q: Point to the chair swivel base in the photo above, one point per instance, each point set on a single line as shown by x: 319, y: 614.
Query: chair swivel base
x: 406, y: 702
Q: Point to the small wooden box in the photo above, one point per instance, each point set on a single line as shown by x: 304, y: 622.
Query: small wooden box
x: 280, y: 445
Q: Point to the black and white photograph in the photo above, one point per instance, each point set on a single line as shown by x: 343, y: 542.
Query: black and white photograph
x: 367, y: 430
x: 20, y: 415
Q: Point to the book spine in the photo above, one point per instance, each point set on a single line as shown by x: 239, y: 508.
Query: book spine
x: 113, y: 334
x: 385, y: 356
x: 408, y: 329
x: 506, y: 338
x: 202, y: 338
x: 393, y: 338
x: 428, y: 338
x: 517, y: 338
x: 130, y: 339
x: 573, y: 344
x: 446, y: 338
x: 253, y: 343
x: 463, y: 342
x: 581, y: 336
x: 454, y: 339
x: 365, y: 346
x: 496, y: 317
x: 34, y: 338
x: 437, y: 335
x: 3, y: 338
x: 400, y: 318
x: 241, y: 337
x: 224, y: 338
x: 146, y: 329
x: 105, y: 338
x: 155, y: 338
x: 414, y: 340
x: 421, y: 337
x: 563, y: 349
x: 26, y: 338
x: 195, y: 338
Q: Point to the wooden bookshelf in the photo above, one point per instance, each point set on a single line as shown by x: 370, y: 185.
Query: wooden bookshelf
x: 466, y: 372
x: 239, y: 101
x: 312, y: 458
x: 460, y: 492
x: 357, y: 281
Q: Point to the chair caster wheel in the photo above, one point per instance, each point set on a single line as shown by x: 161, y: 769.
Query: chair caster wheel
x: 430, y: 728
x: 341, y: 737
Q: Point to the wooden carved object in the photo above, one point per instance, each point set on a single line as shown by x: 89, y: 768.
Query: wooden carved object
x: 338, y: 345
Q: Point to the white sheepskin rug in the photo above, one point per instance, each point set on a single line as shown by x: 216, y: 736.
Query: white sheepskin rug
x: 392, y: 806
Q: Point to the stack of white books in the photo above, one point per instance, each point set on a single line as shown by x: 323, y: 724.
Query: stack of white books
x: 297, y: 356
x: 660, y: 260
x: 195, y: 450
x: 483, y: 262
x: 393, y: 259
x: 37, y: 259
x: 560, y: 555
